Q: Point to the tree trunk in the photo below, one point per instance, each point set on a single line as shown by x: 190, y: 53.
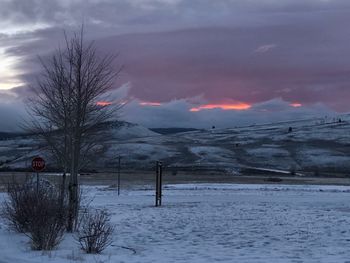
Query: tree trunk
x: 63, y: 188
x: 70, y: 222
x: 73, y: 188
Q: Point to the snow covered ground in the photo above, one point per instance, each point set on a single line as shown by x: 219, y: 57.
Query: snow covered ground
x: 212, y: 223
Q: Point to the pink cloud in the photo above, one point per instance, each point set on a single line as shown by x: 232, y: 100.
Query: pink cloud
x: 224, y: 106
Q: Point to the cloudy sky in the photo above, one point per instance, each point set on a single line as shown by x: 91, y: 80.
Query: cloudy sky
x: 192, y: 63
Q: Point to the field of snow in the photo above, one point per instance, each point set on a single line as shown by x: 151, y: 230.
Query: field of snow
x: 211, y: 223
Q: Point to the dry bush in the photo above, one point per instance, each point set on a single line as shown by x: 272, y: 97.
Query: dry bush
x: 17, y: 209
x: 39, y: 212
x: 95, y: 232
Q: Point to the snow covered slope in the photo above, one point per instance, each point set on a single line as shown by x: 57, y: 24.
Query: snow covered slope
x: 313, y: 146
x: 127, y: 130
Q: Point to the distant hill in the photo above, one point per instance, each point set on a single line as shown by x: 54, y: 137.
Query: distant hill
x: 315, y: 146
x: 127, y: 130
x: 166, y: 131
x: 10, y: 135
x: 119, y: 129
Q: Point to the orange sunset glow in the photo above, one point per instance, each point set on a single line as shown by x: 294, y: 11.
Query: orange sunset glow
x: 296, y: 105
x: 103, y: 103
x: 232, y: 106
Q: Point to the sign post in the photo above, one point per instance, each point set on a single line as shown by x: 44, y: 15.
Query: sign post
x: 38, y: 165
x: 119, y: 163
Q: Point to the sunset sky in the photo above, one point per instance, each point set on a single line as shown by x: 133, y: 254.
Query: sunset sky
x: 192, y: 62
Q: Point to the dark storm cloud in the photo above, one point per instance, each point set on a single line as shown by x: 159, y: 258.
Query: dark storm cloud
x: 145, y: 15
x: 214, y: 51
x: 37, y: 10
x: 222, y: 63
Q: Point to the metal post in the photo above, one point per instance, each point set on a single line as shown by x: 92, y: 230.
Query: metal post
x: 159, y: 174
x: 157, y: 182
x: 119, y: 161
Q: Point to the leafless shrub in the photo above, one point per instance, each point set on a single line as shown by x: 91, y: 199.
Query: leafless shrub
x: 49, y: 223
x: 37, y: 212
x: 96, y: 232
x: 17, y: 208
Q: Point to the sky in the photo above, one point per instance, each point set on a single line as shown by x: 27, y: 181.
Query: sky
x: 191, y: 63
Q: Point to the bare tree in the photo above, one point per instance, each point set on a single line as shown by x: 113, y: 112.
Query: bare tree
x: 66, y: 111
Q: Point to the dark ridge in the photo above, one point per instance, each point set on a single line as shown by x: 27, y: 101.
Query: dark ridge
x: 166, y: 131
x: 109, y: 124
x: 11, y: 135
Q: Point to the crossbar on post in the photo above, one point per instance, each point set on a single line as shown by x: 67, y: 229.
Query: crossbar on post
x: 160, y: 182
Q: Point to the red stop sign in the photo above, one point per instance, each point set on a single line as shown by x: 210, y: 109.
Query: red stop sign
x: 38, y: 164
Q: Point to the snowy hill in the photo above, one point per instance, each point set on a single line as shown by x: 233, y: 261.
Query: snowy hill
x: 17, y: 150
x: 313, y: 147
x: 126, y: 130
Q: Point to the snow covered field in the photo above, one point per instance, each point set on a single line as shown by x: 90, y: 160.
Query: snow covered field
x: 212, y: 223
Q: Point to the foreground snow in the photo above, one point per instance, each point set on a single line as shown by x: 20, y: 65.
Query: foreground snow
x: 212, y: 223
